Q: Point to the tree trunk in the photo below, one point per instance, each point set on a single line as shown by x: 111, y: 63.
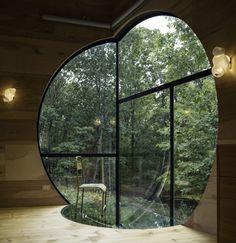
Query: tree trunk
x: 99, y: 149
x: 132, y: 137
x: 156, y: 187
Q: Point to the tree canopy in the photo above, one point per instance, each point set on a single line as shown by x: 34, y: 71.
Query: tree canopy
x: 78, y: 112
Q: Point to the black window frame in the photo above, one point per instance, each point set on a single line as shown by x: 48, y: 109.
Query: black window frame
x: 167, y: 86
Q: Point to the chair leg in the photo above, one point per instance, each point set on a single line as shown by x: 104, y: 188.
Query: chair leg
x: 76, y: 203
x: 105, y: 206
x: 102, y: 205
x: 105, y: 201
x: 82, y: 203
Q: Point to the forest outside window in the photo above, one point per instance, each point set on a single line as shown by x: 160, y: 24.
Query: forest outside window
x: 141, y: 110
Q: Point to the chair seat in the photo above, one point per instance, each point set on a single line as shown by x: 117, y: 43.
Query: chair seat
x: 93, y: 186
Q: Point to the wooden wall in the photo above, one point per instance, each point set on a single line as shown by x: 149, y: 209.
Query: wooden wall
x: 28, y: 62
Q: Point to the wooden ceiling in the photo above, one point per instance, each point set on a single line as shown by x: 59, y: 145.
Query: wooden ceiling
x: 92, y: 10
x: 16, y: 13
x: 33, y: 48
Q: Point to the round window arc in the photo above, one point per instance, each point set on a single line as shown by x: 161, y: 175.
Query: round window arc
x: 127, y: 128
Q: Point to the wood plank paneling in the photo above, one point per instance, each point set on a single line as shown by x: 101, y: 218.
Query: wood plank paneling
x: 18, y: 115
x: 38, y: 47
x: 23, y: 162
x: 27, y: 193
x: 104, y: 11
x: 227, y: 102
x: 227, y: 220
x: 207, y: 206
x: 228, y: 188
x: 18, y: 130
x: 227, y: 232
x: 29, y: 90
x: 33, y: 56
x: 23, y: 177
x: 46, y: 30
x: 31, y: 51
x: 45, y: 224
x: 227, y: 160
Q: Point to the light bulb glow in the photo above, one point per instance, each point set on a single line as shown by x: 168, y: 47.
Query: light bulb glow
x: 97, y: 122
x: 221, y: 62
x: 9, y: 95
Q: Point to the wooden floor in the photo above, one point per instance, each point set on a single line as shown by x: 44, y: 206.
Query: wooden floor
x: 45, y: 224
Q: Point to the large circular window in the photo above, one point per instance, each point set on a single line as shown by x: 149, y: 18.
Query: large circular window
x: 127, y: 128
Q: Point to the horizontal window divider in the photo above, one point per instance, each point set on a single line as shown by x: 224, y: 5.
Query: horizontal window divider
x: 128, y: 155
x: 53, y: 155
x: 183, y: 80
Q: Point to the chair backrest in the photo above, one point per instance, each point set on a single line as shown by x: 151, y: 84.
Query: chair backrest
x: 79, y: 170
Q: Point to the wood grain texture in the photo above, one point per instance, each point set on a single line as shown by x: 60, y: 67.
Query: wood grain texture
x: 23, y: 176
x: 104, y: 11
x: 204, y: 217
x: 227, y: 223
x: 23, y: 162
x: 29, y: 90
x: 228, y: 188
x: 18, y: 130
x: 33, y: 56
x: 46, y: 224
x: 34, y: 47
x: 227, y: 160
x: 28, y: 193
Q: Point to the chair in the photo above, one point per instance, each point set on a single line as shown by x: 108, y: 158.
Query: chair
x: 88, y: 187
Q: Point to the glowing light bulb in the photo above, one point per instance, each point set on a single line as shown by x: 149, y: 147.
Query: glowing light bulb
x: 97, y: 122
x: 9, y: 95
x: 221, y: 62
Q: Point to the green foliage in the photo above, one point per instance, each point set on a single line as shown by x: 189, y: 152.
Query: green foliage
x: 136, y: 212
x: 78, y: 114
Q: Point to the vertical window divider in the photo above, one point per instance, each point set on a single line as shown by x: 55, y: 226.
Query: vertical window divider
x: 117, y: 182
x: 168, y: 85
x: 172, y: 159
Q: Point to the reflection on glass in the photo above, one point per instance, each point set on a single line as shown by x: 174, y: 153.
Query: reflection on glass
x: 158, y: 50
x: 195, y: 142
x: 145, y: 162
x: 95, y: 170
x: 78, y: 116
x: 79, y: 107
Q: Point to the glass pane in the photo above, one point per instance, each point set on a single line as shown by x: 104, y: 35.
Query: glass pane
x: 78, y: 111
x: 195, y: 142
x: 96, y: 170
x: 144, y: 142
x: 158, y: 50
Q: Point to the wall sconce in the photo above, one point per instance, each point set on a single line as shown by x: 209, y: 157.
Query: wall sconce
x: 8, y: 95
x: 221, y: 62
